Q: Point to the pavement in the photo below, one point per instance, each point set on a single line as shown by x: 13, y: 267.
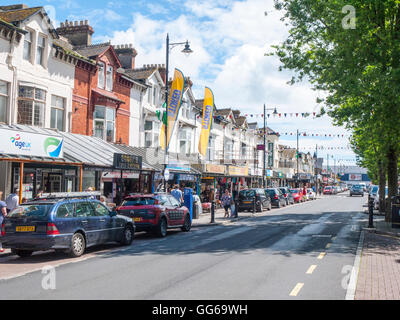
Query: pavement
x: 379, y: 268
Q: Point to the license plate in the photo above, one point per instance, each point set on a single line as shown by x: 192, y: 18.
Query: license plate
x: 137, y: 219
x: 25, y: 229
x: 247, y: 201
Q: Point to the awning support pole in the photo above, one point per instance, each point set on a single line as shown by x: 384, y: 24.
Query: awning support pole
x: 21, y: 178
x: 80, y: 178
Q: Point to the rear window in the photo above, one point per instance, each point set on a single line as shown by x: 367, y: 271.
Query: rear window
x: 31, y: 210
x: 140, y: 201
x: 246, y: 194
x: 271, y: 191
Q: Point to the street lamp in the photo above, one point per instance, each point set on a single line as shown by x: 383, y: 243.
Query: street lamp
x: 187, y: 51
x: 265, y: 125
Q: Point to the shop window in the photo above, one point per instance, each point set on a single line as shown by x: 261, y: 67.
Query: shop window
x: 31, y: 104
x: 57, y: 113
x: 3, y: 101
x: 101, y: 76
x: 104, y: 123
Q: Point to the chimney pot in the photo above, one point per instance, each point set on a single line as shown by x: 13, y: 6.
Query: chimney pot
x: 62, y: 25
x: 86, y: 22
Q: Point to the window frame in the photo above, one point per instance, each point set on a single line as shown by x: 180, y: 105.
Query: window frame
x: 6, y: 99
x: 109, y: 77
x: 35, y: 102
x: 105, y: 121
x: 31, y: 33
x: 101, y: 75
x: 55, y: 107
x: 43, y: 47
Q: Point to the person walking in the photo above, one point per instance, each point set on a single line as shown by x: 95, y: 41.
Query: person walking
x: 177, y: 194
x: 3, y: 213
x: 12, y: 201
x: 226, y: 201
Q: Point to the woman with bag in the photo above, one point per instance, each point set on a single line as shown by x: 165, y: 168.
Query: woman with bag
x: 226, y: 201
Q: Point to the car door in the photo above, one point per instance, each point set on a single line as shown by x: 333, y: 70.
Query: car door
x: 175, y: 212
x: 108, y: 229
x: 88, y: 221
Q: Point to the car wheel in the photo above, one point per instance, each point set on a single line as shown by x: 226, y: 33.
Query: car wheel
x: 259, y: 207
x: 78, y: 245
x: 187, y: 224
x: 162, y: 228
x: 127, y: 236
x: 270, y: 206
x: 22, y: 253
x: 279, y: 204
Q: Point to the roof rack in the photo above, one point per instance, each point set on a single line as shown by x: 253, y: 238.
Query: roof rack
x: 66, y: 195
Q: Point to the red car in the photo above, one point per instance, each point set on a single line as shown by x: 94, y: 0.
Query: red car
x: 297, y: 195
x: 155, y: 213
x: 328, y: 190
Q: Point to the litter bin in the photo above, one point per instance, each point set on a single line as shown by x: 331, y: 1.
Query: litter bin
x: 396, y: 212
x: 195, y: 209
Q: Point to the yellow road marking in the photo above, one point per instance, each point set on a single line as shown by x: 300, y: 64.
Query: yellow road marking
x: 328, y: 245
x: 311, y: 269
x: 321, y: 255
x: 296, y: 289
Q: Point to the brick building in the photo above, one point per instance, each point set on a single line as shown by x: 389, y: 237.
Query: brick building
x: 101, y: 96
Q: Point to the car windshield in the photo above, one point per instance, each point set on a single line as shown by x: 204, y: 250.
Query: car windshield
x: 139, y: 201
x: 31, y: 211
x: 374, y: 189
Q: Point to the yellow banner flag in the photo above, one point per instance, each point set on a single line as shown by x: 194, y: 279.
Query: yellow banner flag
x: 208, y: 113
x: 174, y: 104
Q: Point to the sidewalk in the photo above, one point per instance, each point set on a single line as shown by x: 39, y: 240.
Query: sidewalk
x: 379, y: 273
x: 205, y: 218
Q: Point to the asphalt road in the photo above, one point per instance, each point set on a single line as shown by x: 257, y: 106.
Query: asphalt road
x: 304, y: 251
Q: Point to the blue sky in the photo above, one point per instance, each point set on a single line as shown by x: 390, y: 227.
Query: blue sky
x: 229, y: 40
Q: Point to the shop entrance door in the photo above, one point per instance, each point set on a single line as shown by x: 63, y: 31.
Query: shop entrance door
x: 52, y: 182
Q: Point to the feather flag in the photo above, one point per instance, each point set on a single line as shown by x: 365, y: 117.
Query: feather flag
x: 208, y: 110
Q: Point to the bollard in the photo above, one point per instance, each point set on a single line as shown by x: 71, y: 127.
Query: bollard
x: 371, y: 212
x: 236, y: 208
x: 212, y: 212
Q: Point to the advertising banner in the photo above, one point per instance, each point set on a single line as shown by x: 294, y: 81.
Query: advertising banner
x: 208, y: 111
x: 174, y: 104
x: 30, y: 144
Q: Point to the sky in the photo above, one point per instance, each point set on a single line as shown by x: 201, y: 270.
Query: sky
x: 229, y: 40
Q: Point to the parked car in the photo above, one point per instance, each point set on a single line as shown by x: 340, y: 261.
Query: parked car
x: 277, y: 198
x: 297, y: 195
x: 311, y: 194
x: 328, y: 190
x: 335, y: 190
x: 248, y: 196
x: 287, y: 194
x: 357, y: 190
x: 69, y: 225
x: 376, y: 197
x: 156, y: 213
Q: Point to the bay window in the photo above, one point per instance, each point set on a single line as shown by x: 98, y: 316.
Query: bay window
x: 31, y: 104
x: 3, y: 101
x: 104, y: 123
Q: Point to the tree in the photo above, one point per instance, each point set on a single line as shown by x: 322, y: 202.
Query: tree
x: 356, y: 64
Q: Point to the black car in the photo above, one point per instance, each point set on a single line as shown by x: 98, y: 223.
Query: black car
x: 277, y: 198
x: 288, y: 195
x: 250, y: 198
x: 69, y: 225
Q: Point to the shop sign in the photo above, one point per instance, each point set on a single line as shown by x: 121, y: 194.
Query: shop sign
x: 117, y: 175
x: 215, y: 168
x: 30, y: 144
x: 355, y: 177
x: 270, y: 173
x: 187, y: 177
x: 178, y: 167
x: 238, y: 171
x: 124, y: 161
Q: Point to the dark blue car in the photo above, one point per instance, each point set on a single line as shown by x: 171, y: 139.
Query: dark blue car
x: 69, y: 225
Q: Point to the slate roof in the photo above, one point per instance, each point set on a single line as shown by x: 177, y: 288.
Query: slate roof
x: 140, y: 73
x: 92, y: 51
x: 15, y: 16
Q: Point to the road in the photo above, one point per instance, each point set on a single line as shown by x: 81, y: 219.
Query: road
x: 304, y: 251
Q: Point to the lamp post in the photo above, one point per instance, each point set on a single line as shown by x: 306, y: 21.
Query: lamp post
x: 265, y: 126
x: 186, y: 51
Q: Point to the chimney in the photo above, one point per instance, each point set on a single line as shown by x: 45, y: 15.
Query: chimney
x: 13, y: 7
x: 126, y: 54
x: 79, y: 33
x: 163, y: 71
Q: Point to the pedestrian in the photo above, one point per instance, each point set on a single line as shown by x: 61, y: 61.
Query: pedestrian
x: 226, y: 201
x: 39, y: 194
x: 3, y: 213
x: 177, y: 194
x: 12, y: 201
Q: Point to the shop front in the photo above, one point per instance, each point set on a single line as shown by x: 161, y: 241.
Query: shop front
x: 184, y: 176
x: 212, y: 178
x: 32, y: 160
x: 238, y: 179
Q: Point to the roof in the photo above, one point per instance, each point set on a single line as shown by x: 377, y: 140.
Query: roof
x: 140, y: 73
x: 18, y: 15
x: 241, y: 120
x: 92, y: 50
x: 11, y: 26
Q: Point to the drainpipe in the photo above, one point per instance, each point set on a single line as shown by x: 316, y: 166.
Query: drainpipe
x: 14, y: 86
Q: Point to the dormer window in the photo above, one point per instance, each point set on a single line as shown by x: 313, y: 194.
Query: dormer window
x: 101, y: 78
x: 109, y: 78
x: 28, y: 46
